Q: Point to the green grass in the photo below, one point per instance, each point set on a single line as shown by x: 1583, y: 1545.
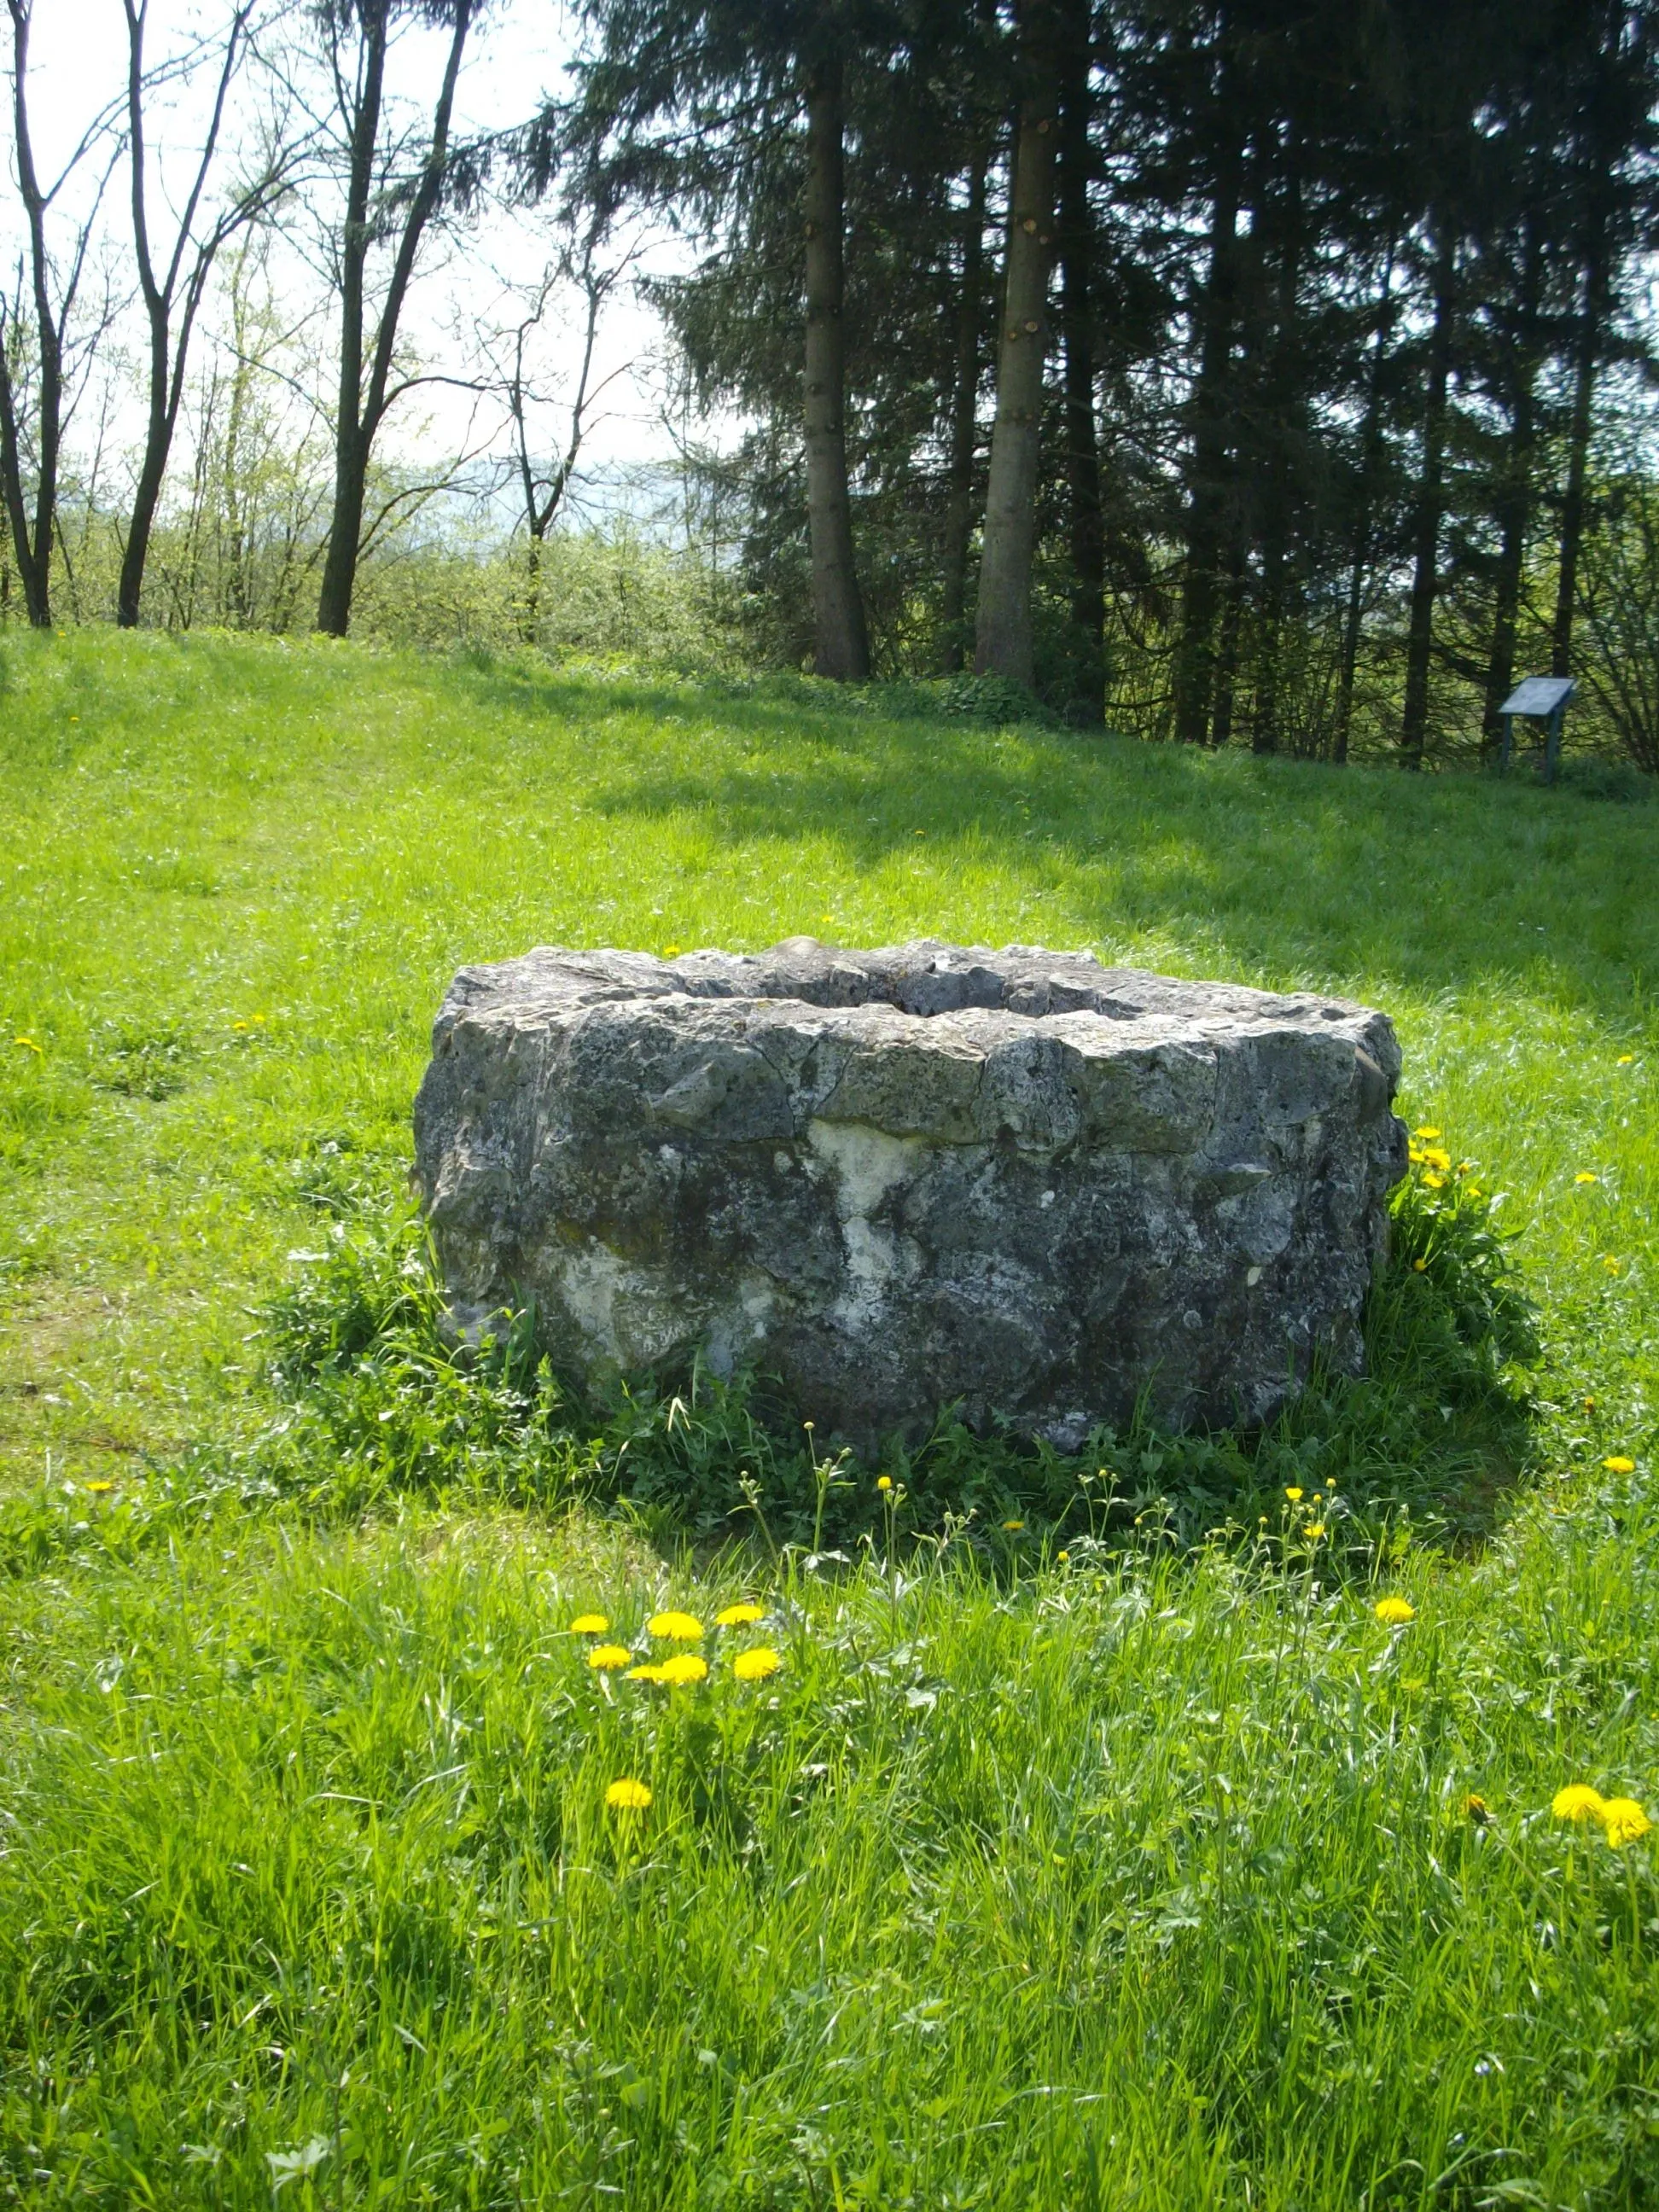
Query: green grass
x: 1142, y: 1878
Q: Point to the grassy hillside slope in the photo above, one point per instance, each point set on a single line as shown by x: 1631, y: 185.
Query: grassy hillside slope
x: 1135, y: 1877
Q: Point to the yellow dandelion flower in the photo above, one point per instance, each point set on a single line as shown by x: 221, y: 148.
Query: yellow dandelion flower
x: 29, y: 1045
x: 754, y: 1665
x: 737, y: 1616
x: 1623, y: 1821
x: 1294, y: 1494
x: 1477, y: 1809
x: 678, y: 1627
x: 671, y: 953
x: 1433, y: 1157
x: 627, y: 1796
x: 1314, y: 1530
x: 883, y: 1482
x: 1013, y: 1527
x: 1590, y: 1405
x: 1625, y: 1059
x: 645, y: 1672
x: 1426, y: 1135
x: 1585, y: 1176
x: 101, y: 1489
x: 604, y: 1658
x: 1063, y: 1557
x: 1395, y: 1612
x: 1618, y: 1464
x: 1578, y: 1801
x: 683, y: 1669
x: 589, y: 1623
x: 1432, y: 1182
x: 1610, y: 1263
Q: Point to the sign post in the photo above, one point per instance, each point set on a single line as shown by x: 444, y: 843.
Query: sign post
x: 1541, y: 699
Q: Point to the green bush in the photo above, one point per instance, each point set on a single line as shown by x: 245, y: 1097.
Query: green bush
x: 1621, y: 782
x: 991, y: 702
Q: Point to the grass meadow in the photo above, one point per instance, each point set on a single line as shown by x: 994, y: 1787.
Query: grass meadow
x: 1093, y: 1842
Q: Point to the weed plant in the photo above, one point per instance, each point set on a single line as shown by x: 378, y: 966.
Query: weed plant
x: 1130, y: 1858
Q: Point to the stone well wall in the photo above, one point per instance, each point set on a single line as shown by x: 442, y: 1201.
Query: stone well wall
x: 902, y: 1178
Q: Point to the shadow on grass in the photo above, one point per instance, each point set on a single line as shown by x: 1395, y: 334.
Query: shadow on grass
x: 1270, y: 871
x: 1276, y: 869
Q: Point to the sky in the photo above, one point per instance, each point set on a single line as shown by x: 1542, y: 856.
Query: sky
x: 78, y: 61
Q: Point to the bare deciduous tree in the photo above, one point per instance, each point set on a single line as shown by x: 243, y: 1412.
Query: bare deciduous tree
x: 542, y: 478
x: 379, y: 187
x: 172, y: 294
x: 37, y: 372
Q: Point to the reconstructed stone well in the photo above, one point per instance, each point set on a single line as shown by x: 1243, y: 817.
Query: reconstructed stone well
x: 923, y: 1174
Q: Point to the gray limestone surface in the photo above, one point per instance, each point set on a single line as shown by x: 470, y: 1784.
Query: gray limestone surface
x: 927, y: 1175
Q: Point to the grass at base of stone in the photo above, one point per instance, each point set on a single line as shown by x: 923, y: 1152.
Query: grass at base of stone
x: 379, y: 1403
x: 1145, y: 1878
x: 1440, y: 1420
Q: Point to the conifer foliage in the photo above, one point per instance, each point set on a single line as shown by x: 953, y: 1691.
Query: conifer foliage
x: 1237, y: 368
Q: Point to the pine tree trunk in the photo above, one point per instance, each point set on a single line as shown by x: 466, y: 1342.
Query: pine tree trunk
x: 1573, y: 506
x: 1226, y: 652
x: 1513, y: 502
x: 1003, y: 640
x: 1087, y: 543
x: 1284, y: 415
x: 1370, y: 456
x: 964, y: 425
x: 1349, y: 662
x: 1194, y: 655
x: 1264, y: 719
x: 842, y: 641
x: 1430, y: 515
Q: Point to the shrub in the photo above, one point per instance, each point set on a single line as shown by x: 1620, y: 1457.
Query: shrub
x: 1588, y: 777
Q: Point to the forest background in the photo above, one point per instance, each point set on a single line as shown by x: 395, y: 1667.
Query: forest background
x: 1254, y: 372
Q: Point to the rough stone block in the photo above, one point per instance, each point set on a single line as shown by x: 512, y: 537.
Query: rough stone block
x: 899, y: 1179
